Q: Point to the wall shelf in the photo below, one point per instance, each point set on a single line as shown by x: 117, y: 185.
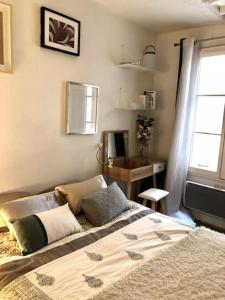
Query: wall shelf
x: 136, y: 67
x: 133, y: 109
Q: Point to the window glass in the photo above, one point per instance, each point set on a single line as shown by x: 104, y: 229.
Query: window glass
x: 205, y: 151
x: 209, y: 114
x: 212, y: 69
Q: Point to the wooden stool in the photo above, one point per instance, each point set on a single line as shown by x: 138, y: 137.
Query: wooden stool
x: 154, y: 195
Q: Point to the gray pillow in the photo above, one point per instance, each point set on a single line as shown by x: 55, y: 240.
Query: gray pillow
x: 103, y: 206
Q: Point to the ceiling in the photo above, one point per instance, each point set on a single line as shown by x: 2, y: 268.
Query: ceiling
x: 166, y: 15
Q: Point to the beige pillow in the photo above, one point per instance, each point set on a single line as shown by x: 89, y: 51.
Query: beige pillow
x: 76, y: 191
x: 7, y: 197
x: 27, y: 206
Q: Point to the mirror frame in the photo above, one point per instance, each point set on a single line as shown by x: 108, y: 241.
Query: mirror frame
x: 68, y: 129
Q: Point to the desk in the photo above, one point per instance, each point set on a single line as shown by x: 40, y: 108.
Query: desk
x: 135, y: 169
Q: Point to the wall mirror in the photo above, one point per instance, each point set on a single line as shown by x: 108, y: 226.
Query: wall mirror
x: 82, y: 108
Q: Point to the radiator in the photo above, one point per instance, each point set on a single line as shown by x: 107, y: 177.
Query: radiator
x: 204, y: 199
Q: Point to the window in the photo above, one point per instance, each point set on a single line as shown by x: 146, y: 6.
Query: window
x: 90, y: 113
x: 208, y: 135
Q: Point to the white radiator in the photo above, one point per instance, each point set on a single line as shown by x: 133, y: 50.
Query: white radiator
x: 205, y: 199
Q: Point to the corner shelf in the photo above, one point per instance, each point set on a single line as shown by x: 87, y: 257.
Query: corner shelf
x: 133, y: 109
x: 136, y: 67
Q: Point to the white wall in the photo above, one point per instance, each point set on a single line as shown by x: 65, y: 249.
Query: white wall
x: 165, y: 83
x: 34, y: 151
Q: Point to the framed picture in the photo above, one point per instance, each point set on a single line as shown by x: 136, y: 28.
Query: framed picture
x: 5, y: 38
x: 59, y: 32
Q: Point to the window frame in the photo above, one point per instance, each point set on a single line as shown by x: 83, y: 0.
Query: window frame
x: 193, y: 171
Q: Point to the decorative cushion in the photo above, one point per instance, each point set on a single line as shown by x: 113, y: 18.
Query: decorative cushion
x: 12, y: 248
x: 6, y: 197
x: 76, y: 191
x: 27, y: 206
x: 103, y: 206
x: 36, y: 231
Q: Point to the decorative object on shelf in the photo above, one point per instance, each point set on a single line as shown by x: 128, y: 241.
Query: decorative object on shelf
x: 148, y: 100
x: 5, y: 38
x: 144, y: 102
x: 145, y: 129
x: 59, y: 32
x: 135, y: 105
x: 145, y: 64
x: 82, y: 108
x: 149, y: 57
x: 125, y: 61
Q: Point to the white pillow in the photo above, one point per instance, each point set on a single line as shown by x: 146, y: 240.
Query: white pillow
x: 74, y: 192
x: 59, y: 222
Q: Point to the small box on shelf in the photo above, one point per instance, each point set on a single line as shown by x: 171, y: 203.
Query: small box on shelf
x: 148, y: 100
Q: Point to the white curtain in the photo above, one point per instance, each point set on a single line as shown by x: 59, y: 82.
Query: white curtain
x: 181, y: 141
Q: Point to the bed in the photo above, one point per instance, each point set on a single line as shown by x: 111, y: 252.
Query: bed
x: 141, y: 254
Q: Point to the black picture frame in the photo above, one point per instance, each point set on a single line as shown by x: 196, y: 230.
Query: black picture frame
x: 47, y: 35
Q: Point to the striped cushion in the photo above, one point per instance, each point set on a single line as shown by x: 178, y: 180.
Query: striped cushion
x: 36, y: 231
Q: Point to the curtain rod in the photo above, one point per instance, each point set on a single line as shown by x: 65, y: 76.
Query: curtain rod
x: 205, y: 40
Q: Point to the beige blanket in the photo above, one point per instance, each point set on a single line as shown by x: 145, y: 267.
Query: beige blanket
x: 192, y: 269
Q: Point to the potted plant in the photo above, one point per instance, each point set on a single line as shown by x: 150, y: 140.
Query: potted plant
x: 145, y: 129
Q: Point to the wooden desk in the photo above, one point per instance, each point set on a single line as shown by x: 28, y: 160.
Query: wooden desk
x: 135, y: 169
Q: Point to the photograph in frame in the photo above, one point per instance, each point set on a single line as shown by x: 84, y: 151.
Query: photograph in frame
x: 60, y: 32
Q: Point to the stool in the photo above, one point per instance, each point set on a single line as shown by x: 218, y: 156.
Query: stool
x: 154, y: 195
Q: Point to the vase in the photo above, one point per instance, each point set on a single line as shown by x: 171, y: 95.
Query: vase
x: 141, y: 150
